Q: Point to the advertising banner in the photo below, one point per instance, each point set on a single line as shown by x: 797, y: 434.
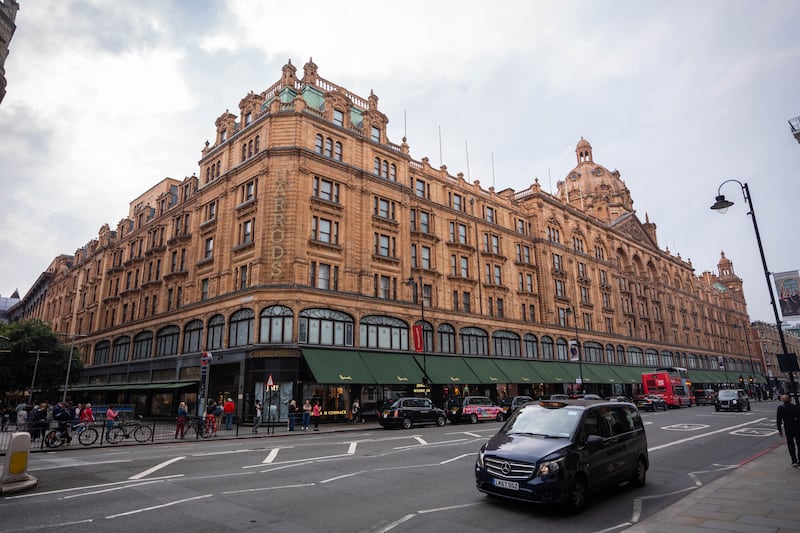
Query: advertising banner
x: 788, y: 285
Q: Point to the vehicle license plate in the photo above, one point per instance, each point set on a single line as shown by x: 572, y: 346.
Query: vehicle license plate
x: 503, y: 484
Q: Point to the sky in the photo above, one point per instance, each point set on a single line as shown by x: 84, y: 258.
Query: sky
x: 105, y: 98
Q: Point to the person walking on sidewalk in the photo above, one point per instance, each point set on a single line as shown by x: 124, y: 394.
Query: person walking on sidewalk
x: 180, y: 420
x: 316, y: 412
x: 292, y: 413
x: 229, y: 408
x: 257, y: 416
x: 789, y: 417
x: 306, y: 415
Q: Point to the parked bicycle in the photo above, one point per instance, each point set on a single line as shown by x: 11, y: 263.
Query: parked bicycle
x: 87, y: 435
x: 125, y: 430
x: 196, y: 424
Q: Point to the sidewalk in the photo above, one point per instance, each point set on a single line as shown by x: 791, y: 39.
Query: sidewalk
x: 763, y: 496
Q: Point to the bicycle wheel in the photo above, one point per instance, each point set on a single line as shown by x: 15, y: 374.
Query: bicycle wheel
x: 143, y: 433
x: 115, y: 435
x: 53, y: 439
x: 88, y: 436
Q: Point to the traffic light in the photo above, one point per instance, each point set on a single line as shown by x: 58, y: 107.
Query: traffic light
x: 750, y: 379
x: 741, y: 379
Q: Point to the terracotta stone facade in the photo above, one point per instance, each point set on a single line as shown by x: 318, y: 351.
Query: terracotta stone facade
x: 302, y: 228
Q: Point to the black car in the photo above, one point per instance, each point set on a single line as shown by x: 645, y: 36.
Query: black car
x: 512, y: 403
x: 408, y: 412
x: 558, y: 452
x: 732, y: 400
x: 651, y: 402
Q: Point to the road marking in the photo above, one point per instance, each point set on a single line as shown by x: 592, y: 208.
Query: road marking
x: 473, y: 434
x: 72, y: 464
x: 273, y: 453
x: 269, y: 488
x: 49, y: 526
x: 352, y: 449
x: 71, y: 489
x: 159, y: 466
x: 685, y: 427
x: 687, y: 439
x: 308, y: 460
x: 226, y: 452
x: 408, y: 517
x: 456, y: 458
x: 755, y: 432
x: 342, y: 477
x: 153, y: 508
x: 112, y: 489
x: 284, y: 466
x: 420, y: 439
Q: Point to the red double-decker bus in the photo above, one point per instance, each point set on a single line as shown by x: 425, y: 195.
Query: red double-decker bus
x: 671, y: 383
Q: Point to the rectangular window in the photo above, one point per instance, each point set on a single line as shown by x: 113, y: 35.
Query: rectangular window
x: 324, y: 230
x: 424, y: 222
x: 581, y: 270
x: 338, y: 117
x: 464, y: 266
x: 455, y: 300
x: 209, y: 248
x: 609, y: 325
x: 520, y: 226
x: 557, y: 262
x: 211, y: 210
x: 383, y: 208
x: 585, y: 295
x: 247, y: 232
x: 465, y: 302
x: 376, y: 134
x: 458, y: 202
x: 490, y: 215
x: 243, y: 277
x: 419, y: 188
x: 384, y: 245
x: 529, y: 282
x: 426, y: 257
x: 603, y: 278
x: 560, y: 289
x: 498, y: 275
x: 326, y: 190
x: 204, y: 289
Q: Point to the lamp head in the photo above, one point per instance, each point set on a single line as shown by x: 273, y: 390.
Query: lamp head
x: 721, y: 204
x: 411, y: 282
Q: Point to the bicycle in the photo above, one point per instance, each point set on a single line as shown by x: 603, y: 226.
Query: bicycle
x: 56, y: 437
x: 139, y: 432
x: 196, y: 423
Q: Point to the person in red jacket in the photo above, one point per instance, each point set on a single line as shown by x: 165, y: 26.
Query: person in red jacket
x: 228, y: 408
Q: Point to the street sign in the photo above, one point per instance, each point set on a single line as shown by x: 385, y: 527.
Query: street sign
x: 270, y: 383
x: 205, y: 358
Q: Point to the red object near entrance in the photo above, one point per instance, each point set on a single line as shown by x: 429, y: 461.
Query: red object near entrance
x: 418, y: 344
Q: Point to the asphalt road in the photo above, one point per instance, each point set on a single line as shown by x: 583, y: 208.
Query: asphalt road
x: 373, y: 481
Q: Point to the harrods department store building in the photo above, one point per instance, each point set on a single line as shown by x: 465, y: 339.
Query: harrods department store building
x: 307, y: 245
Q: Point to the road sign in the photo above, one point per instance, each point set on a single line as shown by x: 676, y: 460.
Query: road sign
x: 205, y: 358
x: 270, y: 383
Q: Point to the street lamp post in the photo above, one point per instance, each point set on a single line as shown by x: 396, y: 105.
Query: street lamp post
x: 722, y: 205
x: 69, y: 363
x: 577, y: 347
x: 725, y: 368
x: 35, y: 369
x: 419, y: 292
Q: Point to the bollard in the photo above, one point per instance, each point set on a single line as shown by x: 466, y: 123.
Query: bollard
x: 14, y: 476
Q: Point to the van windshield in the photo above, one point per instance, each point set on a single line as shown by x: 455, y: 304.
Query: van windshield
x: 727, y: 394
x: 548, y: 422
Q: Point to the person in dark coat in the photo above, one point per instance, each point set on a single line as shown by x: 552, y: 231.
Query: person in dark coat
x: 788, y: 420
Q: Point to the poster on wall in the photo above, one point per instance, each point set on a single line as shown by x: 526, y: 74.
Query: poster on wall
x: 788, y: 285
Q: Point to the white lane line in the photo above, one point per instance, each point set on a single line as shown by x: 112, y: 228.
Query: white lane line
x: 405, y: 467
x: 273, y: 453
x: 49, y: 526
x: 456, y: 458
x: 75, y: 464
x: 408, y: 517
x: 225, y: 452
x: 420, y: 439
x: 269, y: 488
x: 695, y: 437
x: 352, y: 449
x: 111, y: 489
x: 474, y: 435
x: 341, y: 477
x: 282, y: 467
x: 308, y: 460
x: 73, y: 489
x: 153, y: 508
x: 159, y: 466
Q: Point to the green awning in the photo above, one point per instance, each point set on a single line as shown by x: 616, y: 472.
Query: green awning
x: 600, y: 374
x: 518, y: 371
x: 630, y: 374
x: 555, y: 371
x: 337, y: 366
x: 396, y: 368
x: 447, y: 370
x: 486, y: 370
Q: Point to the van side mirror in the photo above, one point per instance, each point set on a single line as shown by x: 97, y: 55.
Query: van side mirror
x: 595, y: 442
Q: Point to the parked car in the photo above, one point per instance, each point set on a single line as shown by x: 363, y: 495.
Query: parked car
x: 409, y: 412
x: 623, y: 399
x: 651, y: 402
x: 732, y: 400
x: 558, y: 452
x: 585, y: 397
x: 513, y: 403
x: 559, y: 397
x: 473, y: 409
x: 704, y: 396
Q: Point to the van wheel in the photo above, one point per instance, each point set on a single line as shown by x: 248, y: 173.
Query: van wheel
x: 500, y: 417
x: 441, y: 421
x: 576, y: 495
x: 473, y: 418
x: 406, y: 423
x: 639, y: 476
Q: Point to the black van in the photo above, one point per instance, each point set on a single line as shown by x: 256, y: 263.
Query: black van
x: 704, y: 396
x: 560, y: 451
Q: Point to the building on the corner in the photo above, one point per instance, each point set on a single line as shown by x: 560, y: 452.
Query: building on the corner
x: 8, y: 17
x: 308, y: 244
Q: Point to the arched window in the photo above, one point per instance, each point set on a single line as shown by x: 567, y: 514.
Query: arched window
x: 667, y: 359
x: 562, y: 351
x: 621, y: 355
x: 377, y: 168
x: 277, y: 325
x: 167, y: 341
x: 505, y: 343
x: 610, y: 354
x: 383, y: 332
x: 651, y: 358
x: 101, y: 353
x: 447, y: 338
x: 547, y: 348
x: 122, y: 349
x: 635, y: 356
x: 393, y: 172
x: 337, y: 151
x: 240, y: 329
x: 143, y: 345
x: 325, y: 327
x: 427, y: 335
x: 592, y: 352
x: 318, y: 143
x: 474, y: 341
x: 216, y: 329
x: 531, y: 346
x: 692, y: 361
x: 193, y: 336
x: 329, y: 147
x: 385, y: 171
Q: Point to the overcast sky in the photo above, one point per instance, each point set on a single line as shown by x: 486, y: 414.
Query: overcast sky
x: 106, y: 98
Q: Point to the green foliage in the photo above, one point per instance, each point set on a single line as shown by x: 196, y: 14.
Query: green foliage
x: 17, y: 363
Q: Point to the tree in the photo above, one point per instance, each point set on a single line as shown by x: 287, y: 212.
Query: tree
x: 17, y: 364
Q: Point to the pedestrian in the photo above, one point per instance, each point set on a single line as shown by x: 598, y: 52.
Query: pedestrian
x: 87, y: 416
x: 257, y: 418
x: 211, y: 418
x: 316, y: 412
x: 788, y: 420
x: 111, y: 418
x: 22, y: 420
x: 6, y: 414
x: 356, y: 411
x: 229, y: 407
x: 292, y: 413
x: 180, y: 421
x: 306, y: 415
